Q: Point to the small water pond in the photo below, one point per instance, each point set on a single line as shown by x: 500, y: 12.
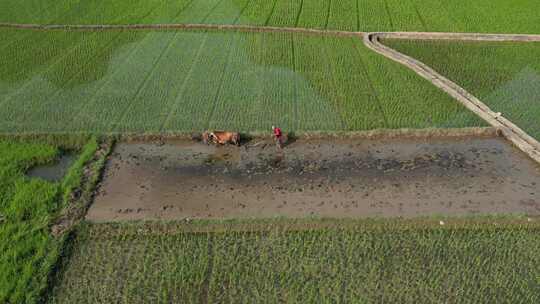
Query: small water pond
x: 56, y: 170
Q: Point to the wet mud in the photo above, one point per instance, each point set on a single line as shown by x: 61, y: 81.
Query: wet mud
x: 337, y: 178
x: 55, y: 171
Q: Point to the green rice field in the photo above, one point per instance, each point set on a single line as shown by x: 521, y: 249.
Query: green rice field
x: 147, y: 81
x: 496, y: 16
x: 72, y: 92
x: 504, y: 75
x: 355, y: 262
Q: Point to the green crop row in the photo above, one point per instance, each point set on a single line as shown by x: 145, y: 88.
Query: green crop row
x: 504, y: 75
x: 517, y: 16
x: 363, y: 263
x: 28, y: 252
x: 151, y: 81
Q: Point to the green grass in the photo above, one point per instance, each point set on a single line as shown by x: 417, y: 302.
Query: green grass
x: 504, y: 75
x: 518, y: 16
x: 27, y: 207
x: 148, y: 81
x: 388, y: 261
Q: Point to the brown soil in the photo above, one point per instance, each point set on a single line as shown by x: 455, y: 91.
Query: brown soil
x: 337, y: 178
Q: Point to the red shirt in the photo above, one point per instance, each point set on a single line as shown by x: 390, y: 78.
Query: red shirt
x: 277, y: 132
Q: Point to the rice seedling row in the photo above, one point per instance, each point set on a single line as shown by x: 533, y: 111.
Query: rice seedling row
x: 342, y: 15
x: 244, y: 87
x: 285, y: 13
x: 195, y: 106
x: 224, y: 13
x: 314, y: 14
x: 311, y: 61
x: 257, y: 12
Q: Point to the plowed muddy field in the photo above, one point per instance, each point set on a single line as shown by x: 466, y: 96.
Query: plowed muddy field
x: 321, y: 178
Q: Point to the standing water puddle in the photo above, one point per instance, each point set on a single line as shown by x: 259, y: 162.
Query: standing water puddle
x: 55, y: 171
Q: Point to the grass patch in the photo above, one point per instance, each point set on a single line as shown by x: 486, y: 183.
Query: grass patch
x: 27, y: 208
x: 504, y: 75
x: 466, y: 260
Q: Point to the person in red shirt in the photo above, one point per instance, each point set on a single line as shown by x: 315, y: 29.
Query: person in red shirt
x: 278, y: 135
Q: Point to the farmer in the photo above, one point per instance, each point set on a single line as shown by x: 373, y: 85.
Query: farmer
x: 278, y: 135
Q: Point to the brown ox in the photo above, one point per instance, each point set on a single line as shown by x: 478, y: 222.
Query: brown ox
x: 221, y: 137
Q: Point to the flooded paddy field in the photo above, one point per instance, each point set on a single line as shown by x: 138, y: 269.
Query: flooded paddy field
x: 320, y: 178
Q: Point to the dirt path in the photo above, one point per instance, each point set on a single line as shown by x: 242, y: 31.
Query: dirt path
x: 457, y: 36
x: 177, y: 26
x: 512, y: 132
x: 340, y: 178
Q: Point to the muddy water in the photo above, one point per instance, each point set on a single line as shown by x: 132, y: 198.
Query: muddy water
x: 355, y: 178
x: 55, y: 171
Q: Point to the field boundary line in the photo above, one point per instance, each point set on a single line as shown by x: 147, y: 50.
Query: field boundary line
x: 512, y: 132
x: 173, y: 26
x: 265, y: 225
x: 257, y: 28
x: 367, y: 134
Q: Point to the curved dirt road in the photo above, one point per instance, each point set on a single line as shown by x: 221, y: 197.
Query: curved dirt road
x: 516, y: 135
